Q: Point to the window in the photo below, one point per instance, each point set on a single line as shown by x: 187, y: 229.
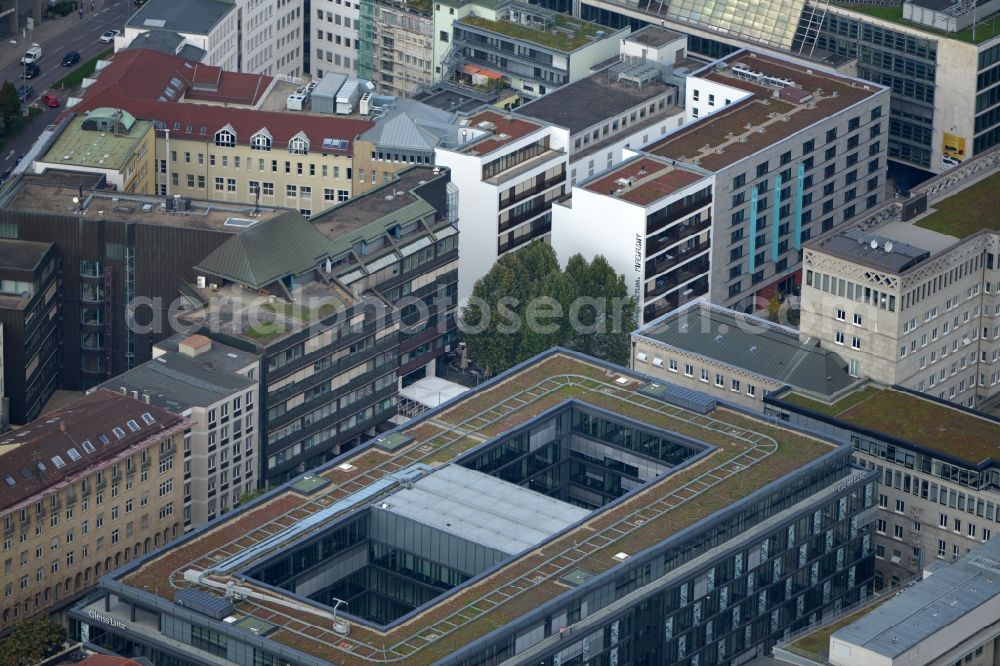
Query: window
x: 855, y: 342
x: 857, y: 319
x: 900, y: 506
x: 260, y: 141
x: 841, y: 314
x: 299, y: 145
x: 720, y: 381
x: 735, y: 385
x: 839, y: 338
x: 880, y: 526
x: 225, y: 137
x: 897, y: 532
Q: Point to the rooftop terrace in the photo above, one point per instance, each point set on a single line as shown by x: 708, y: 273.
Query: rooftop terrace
x: 750, y: 453
x: 563, y: 33
x: 502, y: 129
x: 937, y: 427
x: 769, y: 116
x: 643, y: 180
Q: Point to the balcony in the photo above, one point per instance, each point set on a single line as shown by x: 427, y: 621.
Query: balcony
x: 539, y: 187
x: 678, y: 255
x: 674, y: 299
x: 674, y: 212
x: 674, y: 279
x: 675, y: 234
x: 536, y: 210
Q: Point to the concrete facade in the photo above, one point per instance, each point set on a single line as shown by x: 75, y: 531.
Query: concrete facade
x: 334, y: 37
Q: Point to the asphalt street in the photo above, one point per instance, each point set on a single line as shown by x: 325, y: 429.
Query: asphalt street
x: 80, y: 35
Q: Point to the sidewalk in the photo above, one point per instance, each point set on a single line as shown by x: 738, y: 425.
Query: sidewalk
x: 45, y: 34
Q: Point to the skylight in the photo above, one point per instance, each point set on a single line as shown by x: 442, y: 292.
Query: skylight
x: 148, y: 418
x: 119, y: 433
x: 133, y: 426
x: 58, y: 462
x: 40, y: 465
x: 73, y: 454
x: 87, y: 446
x: 10, y: 481
x: 103, y: 439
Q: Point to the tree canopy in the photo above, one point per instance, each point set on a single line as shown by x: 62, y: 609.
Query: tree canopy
x: 526, y: 304
x: 10, y: 105
x: 32, y: 641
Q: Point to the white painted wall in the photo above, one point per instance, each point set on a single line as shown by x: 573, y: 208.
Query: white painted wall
x: 704, y: 97
x: 339, y: 23
x: 665, y: 55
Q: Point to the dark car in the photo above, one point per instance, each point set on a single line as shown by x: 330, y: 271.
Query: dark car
x: 24, y: 93
x: 70, y: 59
x: 30, y: 71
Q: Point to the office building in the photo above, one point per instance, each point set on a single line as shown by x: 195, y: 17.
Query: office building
x: 240, y: 36
x: 64, y: 527
x: 936, y: 463
x: 353, y: 301
x: 734, y: 357
x: 625, y: 105
x: 217, y: 388
x: 704, y: 541
x: 30, y: 295
x: 908, y: 292
x: 533, y: 49
x: 651, y: 219
x: 395, y: 45
x: 794, y: 150
x: 947, y: 617
x: 332, y: 36
x: 117, y: 250
x: 508, y: 170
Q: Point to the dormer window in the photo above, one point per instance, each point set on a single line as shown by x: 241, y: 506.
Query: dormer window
x: 299, y: 145
x: 261, y: 140
x: 225, y: 137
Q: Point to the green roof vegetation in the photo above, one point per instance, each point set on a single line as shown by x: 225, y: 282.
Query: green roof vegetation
x: 925, y: 423
x: 568, y: 34
x: 967, y: 211
x: 986, y: 27
x: 818, y: 642
x: 91, y: 148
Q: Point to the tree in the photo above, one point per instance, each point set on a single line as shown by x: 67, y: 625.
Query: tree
x: 525, y: 305
x: 32, y: 641
x: 10, y: 105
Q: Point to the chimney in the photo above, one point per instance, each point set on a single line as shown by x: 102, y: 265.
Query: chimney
x: 193, y: 345
x: 145, y: 398
x: 62, y: 426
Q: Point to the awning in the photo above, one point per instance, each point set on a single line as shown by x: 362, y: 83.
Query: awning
x: 477, y: 71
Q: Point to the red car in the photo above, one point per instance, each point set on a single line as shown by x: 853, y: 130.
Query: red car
x: 50, y: 101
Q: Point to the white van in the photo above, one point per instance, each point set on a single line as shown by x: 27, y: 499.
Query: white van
x: 32, y: 55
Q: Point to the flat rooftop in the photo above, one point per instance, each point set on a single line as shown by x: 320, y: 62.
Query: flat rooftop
x: 654, y: 36
x: 919, y: 612
x: 501, y: 129
x: 872, y: 250
x: 749, y: 454
x: 184, y: 16
x: 967, y: 211
x: 76, y: 146
x: 357, y: 213
x: 747, y: 342
x: 20, y: 255
x: 596, y: 98
x: 748, y: 126
x: 939, y: 428
x: 177, y: 382
x: 817, y: 641
x: 566, y: 34
x: 53, y: 192
x: 451, y: 97
x: 986, y: 29
x: 643, y: 180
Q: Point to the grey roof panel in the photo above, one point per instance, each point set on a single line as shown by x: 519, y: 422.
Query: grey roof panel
x: 483, y: 509
x: 761, y: 348
x: 936, y: 602
x: 195, y: 17
x: 868, y: 249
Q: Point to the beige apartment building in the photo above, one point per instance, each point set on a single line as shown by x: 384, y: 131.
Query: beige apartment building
x: 85, y: 489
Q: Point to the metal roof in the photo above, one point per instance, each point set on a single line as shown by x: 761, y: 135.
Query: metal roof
x: 268, y: 251
x: 936, y: 602
x: 483, y: 509
x: 872, y: 250
x: 412, y: 125
x: 752, y: 344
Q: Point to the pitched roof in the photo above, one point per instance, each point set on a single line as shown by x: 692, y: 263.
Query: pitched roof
x: 412, y: 125
x: 268, y: 251
x: 752, y: 344
x: 145, y: 82
x: 55, y: 446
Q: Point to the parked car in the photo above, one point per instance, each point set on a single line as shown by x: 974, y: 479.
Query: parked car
x: 24, y: 93
x: 30, y: 71
x: 109, y: 36
x: 32, y: 55
x: 70, y: 59
x: 50, y: 101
